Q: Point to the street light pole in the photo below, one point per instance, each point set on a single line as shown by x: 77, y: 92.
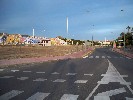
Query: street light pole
x: 124, y: 35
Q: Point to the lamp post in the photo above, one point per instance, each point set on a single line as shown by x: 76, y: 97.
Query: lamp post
x: 124, y: 34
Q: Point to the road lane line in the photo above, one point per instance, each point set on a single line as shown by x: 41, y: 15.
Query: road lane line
x: 69, y: 97
x: 1, y: 70
x: 38, y: 96
x: 81, y: 81
x: 92, y: 92
x: 71, y: 73
x: 40, y: 79
x: 14, y: 70
x: 22, y: 78
x: 88, y: 74
x: 26, y: 71
x: 59, y: 80
x: 54, y: 73
x: 40, y: 72
x: 7, y: 77
x: 10, y: 94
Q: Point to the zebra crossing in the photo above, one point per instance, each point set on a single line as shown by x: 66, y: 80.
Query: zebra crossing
x: 108, y: 57
x: 36, y: 96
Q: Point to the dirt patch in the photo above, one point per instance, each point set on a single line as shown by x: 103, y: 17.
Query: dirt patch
x: 13, y: 52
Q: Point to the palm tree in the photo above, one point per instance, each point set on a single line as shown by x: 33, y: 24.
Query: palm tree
x: 128, y: 28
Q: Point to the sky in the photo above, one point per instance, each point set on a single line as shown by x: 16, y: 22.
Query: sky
x: 86, y: 18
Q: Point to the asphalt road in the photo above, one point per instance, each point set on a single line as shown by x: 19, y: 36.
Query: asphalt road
x: 103, y: 75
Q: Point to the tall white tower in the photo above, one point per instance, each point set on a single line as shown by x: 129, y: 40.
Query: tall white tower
x: 33, y: 32
x: 67, y: 25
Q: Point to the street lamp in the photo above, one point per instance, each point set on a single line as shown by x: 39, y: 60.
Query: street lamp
x: 124, y: 34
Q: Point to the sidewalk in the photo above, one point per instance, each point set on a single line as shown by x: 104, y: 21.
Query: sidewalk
x: 126, y: 53
x: 6, y: 62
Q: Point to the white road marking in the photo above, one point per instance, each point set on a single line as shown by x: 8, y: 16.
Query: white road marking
x: 103, y: 56
x: 26, y: 71
x: 55, y: 73
x: 85, y: 56
x: 38, y: 96
x: 91, y: 57
x: 129, y: 98
x: 81, y: 81
x: 59, y: 80
x: 97, y: 57
x: 88, y: 74
x: 40, y: 72
x: 112, y: 92
x: 128, y: 57
x: 22, y: 78
x: 108, y: 56
x: 7, y: 77
x: 14, y: 70
x: 10, y: 94
x: 69, y: 97
x: 71, y: 73
x: 101, y: 98
x: 107, y: 94
x: 112, y: 75
x: 40, y: 79
x: 1, y: 69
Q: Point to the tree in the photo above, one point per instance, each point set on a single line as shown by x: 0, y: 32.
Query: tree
x: 128, y: 28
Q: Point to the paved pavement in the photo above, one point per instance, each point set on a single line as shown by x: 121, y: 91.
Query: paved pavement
x: 79, y: 54
x: 127, y: 53
x: 103, y: 75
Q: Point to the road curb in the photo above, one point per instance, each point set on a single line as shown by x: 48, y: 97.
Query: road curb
x: 129, y: 55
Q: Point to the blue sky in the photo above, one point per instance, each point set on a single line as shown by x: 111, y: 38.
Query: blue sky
x: 100, y: 18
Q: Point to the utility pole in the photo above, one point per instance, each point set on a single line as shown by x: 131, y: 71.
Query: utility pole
x: 92, y: 40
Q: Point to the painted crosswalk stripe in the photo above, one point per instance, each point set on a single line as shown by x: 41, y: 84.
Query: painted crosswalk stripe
x: 71, y: 73
x: 10, y: 94
x: 129, y: 98
x: 81, y: 81
x: 22, y: 78
x: 101, y: 98
x: 26, y: 71
x: 91, y: 57
x: 40, y: 72
x: 69, y: 97
x: 97, y: 57
x: 1, y: 69
x: 108, y: 56
x: 38, y: 96
x: 88, y: 74
x: 40, y: 79
x: 59, y: 80
x: 55, y: 73
x: 7, y: 77
x: 14, y: 70
x: 103, y: 56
